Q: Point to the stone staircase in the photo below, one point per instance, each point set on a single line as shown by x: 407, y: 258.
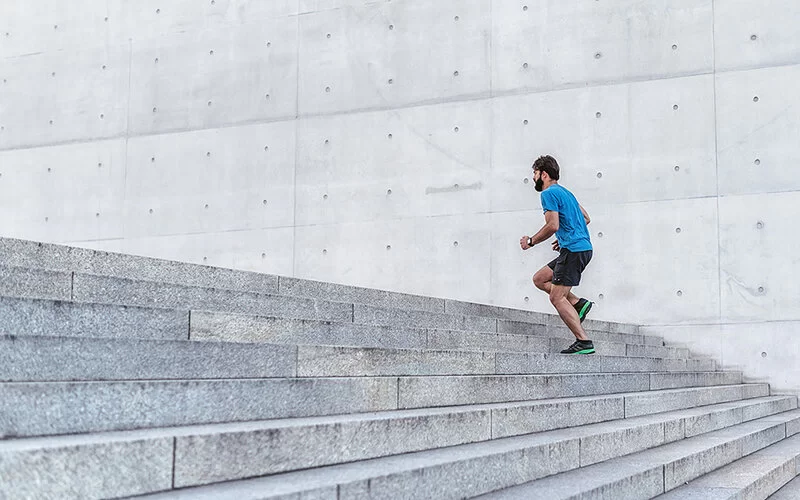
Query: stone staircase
x: 126, y: 376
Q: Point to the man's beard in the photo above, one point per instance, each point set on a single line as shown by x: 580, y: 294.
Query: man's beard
x: 539, y: 186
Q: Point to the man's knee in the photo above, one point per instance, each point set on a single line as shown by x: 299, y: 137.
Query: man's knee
x: 542, y: 278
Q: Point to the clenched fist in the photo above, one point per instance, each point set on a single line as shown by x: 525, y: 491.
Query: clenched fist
x: 523, y: 242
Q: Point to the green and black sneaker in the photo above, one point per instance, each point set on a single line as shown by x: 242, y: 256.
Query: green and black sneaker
x: 580, y: 347
x: 583, y: 307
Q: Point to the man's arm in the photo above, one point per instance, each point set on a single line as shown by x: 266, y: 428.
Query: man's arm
x: 549, y: 229
x: 585, y: 215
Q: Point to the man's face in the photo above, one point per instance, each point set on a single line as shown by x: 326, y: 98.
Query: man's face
x: 538, y: 181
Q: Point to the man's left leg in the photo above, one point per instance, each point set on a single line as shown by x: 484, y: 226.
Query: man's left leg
x: 558, y: 297
x: 543, y: 281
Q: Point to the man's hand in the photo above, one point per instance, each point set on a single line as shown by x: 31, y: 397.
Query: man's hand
x: 523, y: 242
x: 556, y: 248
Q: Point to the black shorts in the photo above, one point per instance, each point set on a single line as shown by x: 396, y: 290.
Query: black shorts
x: 568, y: 266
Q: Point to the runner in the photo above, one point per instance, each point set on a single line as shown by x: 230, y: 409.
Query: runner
x: 567, y: 219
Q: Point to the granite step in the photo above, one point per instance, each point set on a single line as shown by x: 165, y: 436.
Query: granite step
x: 474, y: 469
x: 82, y: 287
x: 226, y: 452
x: 51, y: 257
x: 218, y: 326
x: 37, y: 284
x: 756, y: 476
x: 44, y: 317
x: 650, y: 473
x: 74, y: 407
x: 37, y: 317
x: 29, y: 359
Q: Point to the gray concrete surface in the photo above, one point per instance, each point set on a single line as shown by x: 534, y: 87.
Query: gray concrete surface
x: 387, y: 144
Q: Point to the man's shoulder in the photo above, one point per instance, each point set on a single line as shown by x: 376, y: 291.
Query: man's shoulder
x: 561, y: 191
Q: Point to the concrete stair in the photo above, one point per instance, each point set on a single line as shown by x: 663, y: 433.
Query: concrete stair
x: 123, y: 376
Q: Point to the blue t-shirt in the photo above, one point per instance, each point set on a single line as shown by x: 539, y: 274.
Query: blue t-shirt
x: 572, y: 232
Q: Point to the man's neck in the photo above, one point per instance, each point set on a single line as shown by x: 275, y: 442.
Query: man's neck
x: 552, y: 183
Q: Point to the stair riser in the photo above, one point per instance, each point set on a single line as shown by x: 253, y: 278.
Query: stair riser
x: 526, y: 419
x: 532, y: 363
x: 32, y: 359
x: 642, y: 404
x: 24, y: 317
x: 431, y: 391
x: 107, y: 290
x: 293, y: 287
x: 96, y: 471
x: 237, y: 328
x: 95, y: 406
x: 368, y: 315
x: 35, y: 283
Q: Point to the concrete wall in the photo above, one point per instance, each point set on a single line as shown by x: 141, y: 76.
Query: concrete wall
x: 388, y: 144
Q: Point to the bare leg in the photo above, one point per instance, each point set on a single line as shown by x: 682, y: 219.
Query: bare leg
x: 558, y: 297
x: 543, y: 280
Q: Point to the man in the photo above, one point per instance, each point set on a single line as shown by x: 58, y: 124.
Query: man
x: 568, y: 220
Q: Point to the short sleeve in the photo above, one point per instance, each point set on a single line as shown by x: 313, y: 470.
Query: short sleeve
x: 549, y: 201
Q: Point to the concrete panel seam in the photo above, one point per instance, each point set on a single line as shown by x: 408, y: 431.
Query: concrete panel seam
x: 128, y: 109
x: 174, y: 456
x: 716, y: 156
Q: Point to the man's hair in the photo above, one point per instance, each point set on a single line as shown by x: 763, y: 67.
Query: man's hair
x: 547, y: 164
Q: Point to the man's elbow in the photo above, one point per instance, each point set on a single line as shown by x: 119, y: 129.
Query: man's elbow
x: 553, y: 228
